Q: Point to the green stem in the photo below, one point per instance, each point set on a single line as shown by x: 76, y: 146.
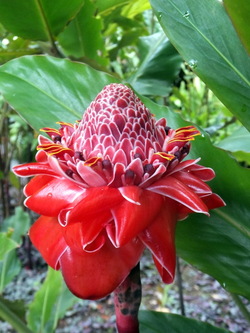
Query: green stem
x: 9, y: 316
x: 241, y: 306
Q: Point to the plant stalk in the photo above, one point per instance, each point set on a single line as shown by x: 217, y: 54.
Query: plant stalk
x: 180, y: 287
x: 127, y: 299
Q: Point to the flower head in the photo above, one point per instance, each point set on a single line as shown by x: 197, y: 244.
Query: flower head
x: 109, y: 186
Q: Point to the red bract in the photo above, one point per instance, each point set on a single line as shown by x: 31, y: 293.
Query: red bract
x: 109, y: 186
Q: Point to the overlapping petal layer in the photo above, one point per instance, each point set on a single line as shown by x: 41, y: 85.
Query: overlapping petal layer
x: 109, y: 186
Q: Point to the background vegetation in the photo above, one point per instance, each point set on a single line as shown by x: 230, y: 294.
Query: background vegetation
x: 188, y: 60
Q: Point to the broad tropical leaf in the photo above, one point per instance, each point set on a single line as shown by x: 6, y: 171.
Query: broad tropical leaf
x: 158, y: 322
x: 60, y: 94
x: 239, y: 13
x: 37, y: 20
x: 203, y: 34
x: 82, y: 37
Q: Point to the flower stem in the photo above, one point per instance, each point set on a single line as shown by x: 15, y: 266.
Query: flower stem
x: 180, y: 287
x: 127, y: 298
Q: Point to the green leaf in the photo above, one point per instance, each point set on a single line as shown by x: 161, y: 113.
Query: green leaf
x: 82, y: 38
x: 238, y: 143
x: 159, y: 66
x: 135, y: 7
x: 37, y: 20
x: 158, y: 322
x: 10, y: 264
x: 50, y: 303
x: 239, y: 140
x: 16, y: 307
x: 239, y: 12
x: 203, y: 34
x: 7, y: 244
x: 12, y: 312
x: 45, y: 90
x: 10, y: 267
x: 105, y: 7
x: 218, y: 245
x: 19, y: 223
x: 242, y: 156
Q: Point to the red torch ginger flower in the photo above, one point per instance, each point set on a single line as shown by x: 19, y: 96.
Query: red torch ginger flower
x: 109, y: 186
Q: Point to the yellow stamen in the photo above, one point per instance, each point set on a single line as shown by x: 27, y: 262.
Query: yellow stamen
x: 65, y: 124
x: 49, y: 129
x: 92, y: 161
x: 53, y: 149
x: 166, y: 156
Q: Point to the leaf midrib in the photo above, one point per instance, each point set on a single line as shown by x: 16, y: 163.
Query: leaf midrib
x: 43, y: 92
x: 44, y: 20
x: 229, y: 219
x: 229, y: 63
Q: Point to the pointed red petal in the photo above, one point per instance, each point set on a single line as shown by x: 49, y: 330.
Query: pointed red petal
x: 130, y: 218
x: 46, y: 235
x: 213, y: 201
x: 32, y: 169
x: 194, y: 183
x: 36, y: 184
x: 131, y: 193
x: 95, y: 275
x: 54, y: 196
x: 90, y: 176
x: 80, y: 235
x: 176, y: 190
x: 202, y: 172
x: 97, y: 200
x: 159, y: 238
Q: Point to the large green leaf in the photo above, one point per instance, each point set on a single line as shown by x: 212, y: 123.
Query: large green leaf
x: 37, y: 19
x: 239, y: 12
x: 50, y: 303
x: 159, y: 66
x: 82, y: 38
x: 219, y: 245
x: 45, y: 90
x: 158, y: 322
x: 203, y: 34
